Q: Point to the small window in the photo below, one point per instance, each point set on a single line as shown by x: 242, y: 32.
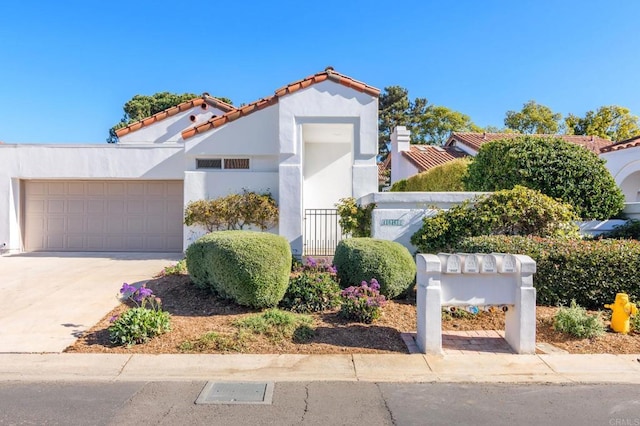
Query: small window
x: 236, y: 163
x: 208, y: 163
x: 218, y: 163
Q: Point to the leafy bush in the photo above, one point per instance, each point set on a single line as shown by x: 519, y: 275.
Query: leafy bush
x: 591, y: 272
x: 361, y: 259
x: 312, y: 288
x: 179, y: 268
x: 234, y: 211
x: 635, y: 322
x: 631, y: 229
x: 518, y: 211
x: 139, y: 324
x: 575, y: 321
x: 252, y: 268
x: 277, y: 325
x: 447, y: 177
x: 362, y: 303
x: 552, y: 166
x: 355, y: 220
x: 399, y: 186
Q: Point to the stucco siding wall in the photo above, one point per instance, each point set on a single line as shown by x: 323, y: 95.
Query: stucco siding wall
x: 170, y: 128
x: 254, y: 134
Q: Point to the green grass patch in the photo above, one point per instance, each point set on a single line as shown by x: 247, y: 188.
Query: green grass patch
x: 277, y: 324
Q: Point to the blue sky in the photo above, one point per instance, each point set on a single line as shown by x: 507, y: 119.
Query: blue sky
x: 67, y: 68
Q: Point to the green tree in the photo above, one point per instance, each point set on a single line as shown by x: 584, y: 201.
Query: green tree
x: 143, y: 106
x: 552, y: 166
x: 436, y: 123
x: 533, y: 118
x: 395, y: 109
x: 611, y: 122
x: 429, y: 124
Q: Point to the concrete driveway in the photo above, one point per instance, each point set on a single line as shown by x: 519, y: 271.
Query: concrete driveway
x: 48, y: 299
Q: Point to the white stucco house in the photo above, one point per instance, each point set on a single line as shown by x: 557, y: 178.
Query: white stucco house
x: 311, y: 143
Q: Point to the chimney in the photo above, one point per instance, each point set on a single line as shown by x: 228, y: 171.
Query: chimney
x: 400, y: 141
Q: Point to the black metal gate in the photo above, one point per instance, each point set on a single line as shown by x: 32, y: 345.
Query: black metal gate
x: 322, y: 232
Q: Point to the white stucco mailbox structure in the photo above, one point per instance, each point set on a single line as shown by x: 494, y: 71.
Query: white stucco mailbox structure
x: 476, y: 280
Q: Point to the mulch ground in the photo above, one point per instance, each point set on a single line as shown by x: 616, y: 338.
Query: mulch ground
x: 196, y: 312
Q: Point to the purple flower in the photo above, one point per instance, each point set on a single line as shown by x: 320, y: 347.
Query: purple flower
x: 374, y: 284
x: 126, y: 288
x: 332, y: 269
x: 114, y: 318
x: 311, y: 262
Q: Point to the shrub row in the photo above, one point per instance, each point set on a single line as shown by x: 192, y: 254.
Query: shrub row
x: 444, y: 178
x: 591, y: 272
x: 517, y: 211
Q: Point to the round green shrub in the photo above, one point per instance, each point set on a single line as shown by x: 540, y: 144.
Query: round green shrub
x: 591, y: 272
x: 517, y: 211
x: 447, y: 177
x: 555, y: 167
x: 252, y: 268
x: 361, y: 259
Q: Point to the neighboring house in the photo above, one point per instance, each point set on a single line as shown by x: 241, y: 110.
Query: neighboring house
x: 408, y: 160
x: 622, y: 158
x: 471, y: 142
x: 623, y: 161
x: 311, y: 143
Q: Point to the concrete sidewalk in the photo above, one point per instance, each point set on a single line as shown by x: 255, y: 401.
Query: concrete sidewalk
x: 488, y: 368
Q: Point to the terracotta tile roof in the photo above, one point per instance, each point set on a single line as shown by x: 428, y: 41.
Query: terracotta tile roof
x: 184, y: 106
x: 426, y: 157
x: 327, y: 74
x: 628, y: 143
x: 475, y: 140
x: 384, y: 168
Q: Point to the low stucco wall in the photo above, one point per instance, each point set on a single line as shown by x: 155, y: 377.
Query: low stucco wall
x: 398, y: 215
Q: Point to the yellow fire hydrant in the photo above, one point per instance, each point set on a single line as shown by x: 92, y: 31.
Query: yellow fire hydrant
x: 622, y: 311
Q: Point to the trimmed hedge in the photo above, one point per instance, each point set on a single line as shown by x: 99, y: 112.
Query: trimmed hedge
x: 591, y: 272
x: 252, y: 268
x: 446, y: 177
x: 361, y: 259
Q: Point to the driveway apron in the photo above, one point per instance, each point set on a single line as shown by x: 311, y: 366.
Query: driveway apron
x: 48, y: 299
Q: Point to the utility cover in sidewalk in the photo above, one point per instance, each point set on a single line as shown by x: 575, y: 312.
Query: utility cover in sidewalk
x: 236, y: 393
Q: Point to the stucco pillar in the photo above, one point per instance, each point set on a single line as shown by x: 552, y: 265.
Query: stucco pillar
x: 290, y: 202
x: 429, y: 307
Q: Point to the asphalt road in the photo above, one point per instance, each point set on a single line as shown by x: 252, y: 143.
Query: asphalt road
x: 321, y: 403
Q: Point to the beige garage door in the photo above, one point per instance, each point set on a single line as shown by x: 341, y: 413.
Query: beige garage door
x: 103, y: 215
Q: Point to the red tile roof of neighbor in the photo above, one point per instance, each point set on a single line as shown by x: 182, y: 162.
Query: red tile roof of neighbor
x: 475, y: 140
x: 425, y: 157
x: 205, y: 99
x: 628, y: 143
x: 384, y: 167
x: 327, y: 74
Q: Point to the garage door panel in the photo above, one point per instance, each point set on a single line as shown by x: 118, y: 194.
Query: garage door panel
x: 95, y: 206
x: 76, y: 188
x: 55, y: 206
x: 116, y: 188
x: 56, y: 188
x: 76, y: 206
x: 103, y: 216
x: 116, y: 207
x: 95, y: 189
